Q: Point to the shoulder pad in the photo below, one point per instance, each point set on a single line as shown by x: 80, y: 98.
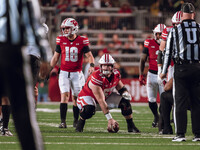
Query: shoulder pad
x: 146, y: 42
x: 85, y: 40
x: 58, y: 40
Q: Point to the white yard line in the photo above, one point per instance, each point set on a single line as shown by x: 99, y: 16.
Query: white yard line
x: 111, y: 137
x: 70, y: 110
x: 102, y: 143
x: 151, y: 144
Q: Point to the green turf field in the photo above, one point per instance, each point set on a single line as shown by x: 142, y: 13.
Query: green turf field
x: 95, y: 136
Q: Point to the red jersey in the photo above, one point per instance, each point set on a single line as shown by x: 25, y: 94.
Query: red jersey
x: 153, y: 48
x: 72, y: 52
x: 165, y: 33
x: 97, y: 78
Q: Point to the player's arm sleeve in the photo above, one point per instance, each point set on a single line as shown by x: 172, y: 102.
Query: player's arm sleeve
x: 58, y: 49
x: 145, y: 51
x: 86, y: 49
x: 159, y: 58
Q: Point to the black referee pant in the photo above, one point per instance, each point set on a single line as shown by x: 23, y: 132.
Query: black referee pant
x: 16, y: 83
x: 166, y: 102
x: 186, y: 91
x: 35, y: 67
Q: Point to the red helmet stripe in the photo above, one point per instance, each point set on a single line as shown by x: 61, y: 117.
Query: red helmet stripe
x: 179, y: 15
x: 108, y: 57
x: 176, y: 16
x: 105, y: 57
x: 65, y: 20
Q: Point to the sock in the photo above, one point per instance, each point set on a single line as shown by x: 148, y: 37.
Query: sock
x: 6, y: 115
x: 76, y: 112
x: 130, y: 121
x: 63, y: 112
x: 153, y: 106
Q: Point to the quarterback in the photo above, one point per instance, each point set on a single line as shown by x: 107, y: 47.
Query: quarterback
x: 72, y: 48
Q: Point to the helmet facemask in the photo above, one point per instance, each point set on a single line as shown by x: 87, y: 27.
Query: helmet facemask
x: 156, y: 37
x: 69, y: 31
x: 70, y: 24
x: 106, y: 59
x: 158, y: 29
x: 107, y: 72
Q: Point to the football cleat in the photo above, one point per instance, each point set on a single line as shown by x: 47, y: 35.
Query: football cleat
x: 196, y: 138
x: 80, y: 125
x: 6, y: 132
x: 155, y: 121
x: 63, y: 125
x: 133, y: 128
x: 154, y: 124
x: 179, y: 138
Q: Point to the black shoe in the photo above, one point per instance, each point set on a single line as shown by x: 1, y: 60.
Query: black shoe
x: 196, y: 138
x: 63, y: 125
x: 75, y: 123
x: 133, y: 128
x: 80, y: 125
x: 179, y: 138
x: 155, y: 121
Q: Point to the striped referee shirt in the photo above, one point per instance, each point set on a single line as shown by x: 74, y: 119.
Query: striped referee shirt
x: 182, y: 43
x: 18, y: 22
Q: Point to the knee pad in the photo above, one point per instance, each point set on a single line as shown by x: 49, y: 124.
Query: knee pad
x: 125, y: 107
x: 87, y: 111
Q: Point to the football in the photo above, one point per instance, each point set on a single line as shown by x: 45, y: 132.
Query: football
x: 113, y: 128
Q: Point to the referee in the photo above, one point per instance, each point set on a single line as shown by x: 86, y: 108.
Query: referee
x: 17, y: 28
x: 183, y: 45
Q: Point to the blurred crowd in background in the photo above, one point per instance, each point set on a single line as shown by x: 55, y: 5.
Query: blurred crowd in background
x: 108, y: 32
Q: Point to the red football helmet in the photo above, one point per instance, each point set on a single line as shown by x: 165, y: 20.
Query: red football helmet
x: 106, y: 59
x: 70, y: 23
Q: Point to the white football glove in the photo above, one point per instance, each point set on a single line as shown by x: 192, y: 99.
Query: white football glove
x: 159, y: 80
x: 127, y: 96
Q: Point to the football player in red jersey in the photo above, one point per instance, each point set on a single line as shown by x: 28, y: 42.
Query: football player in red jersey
x: 98, y: 93
x: 176, y: 19
x: 72, y: 48
x: 151, y: 48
